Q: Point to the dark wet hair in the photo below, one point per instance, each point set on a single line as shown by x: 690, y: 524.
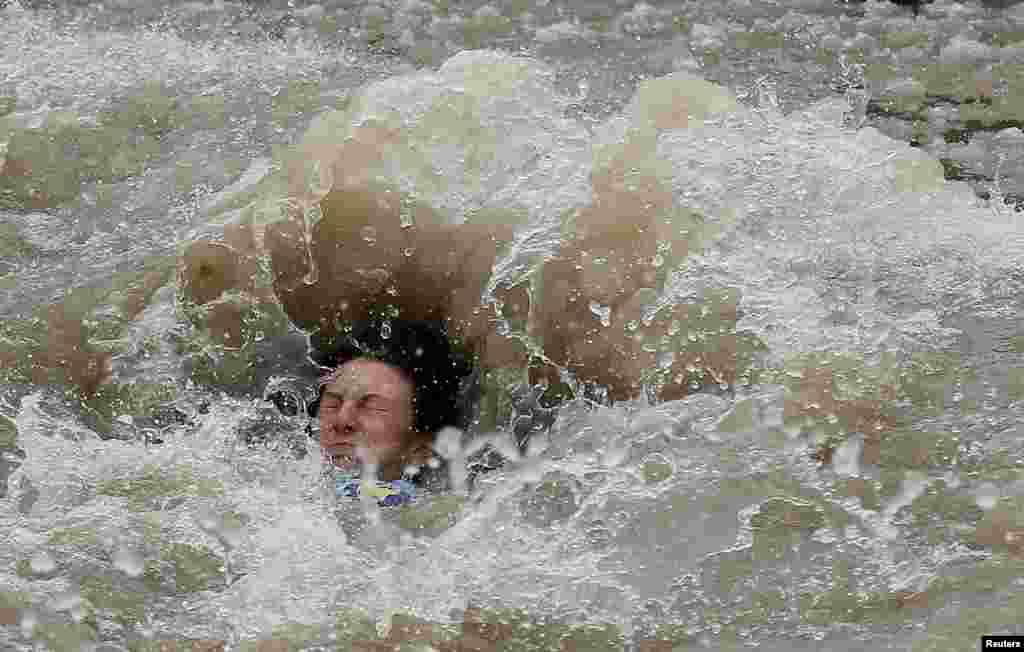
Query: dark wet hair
x: 423, y: 353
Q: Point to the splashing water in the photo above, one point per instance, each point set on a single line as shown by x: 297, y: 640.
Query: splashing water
x: 855, y: 478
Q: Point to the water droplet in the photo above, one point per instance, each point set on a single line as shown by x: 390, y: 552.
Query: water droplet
x: 42, y: 563
x: 418, y: 352
x: 408, y: 251
x: 604, y: 313
x: 385, y: 330
x: 312, y: 216
x: 313, y: 272
x: 316, y: 184
x: 128, y: 561
x: 369, y: 234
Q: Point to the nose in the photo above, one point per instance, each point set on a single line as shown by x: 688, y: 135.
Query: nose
x: 343, y: 421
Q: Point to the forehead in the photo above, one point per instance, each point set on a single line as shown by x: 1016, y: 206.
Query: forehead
x: 361, y: 376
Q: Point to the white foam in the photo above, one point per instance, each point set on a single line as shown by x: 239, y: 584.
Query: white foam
x: 846, y: 458
x: 562, y: 31
x: 42, y: 563
x: 962, y: 49
x: 987, y: 495
x: 129, y: 561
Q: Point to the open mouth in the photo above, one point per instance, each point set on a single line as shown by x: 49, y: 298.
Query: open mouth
x: 342, y: 457
x: 343, y: 461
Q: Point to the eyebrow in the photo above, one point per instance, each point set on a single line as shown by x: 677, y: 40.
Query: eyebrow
x: 341, y: 398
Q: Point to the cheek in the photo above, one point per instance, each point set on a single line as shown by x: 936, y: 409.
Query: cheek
x: 385, y: 434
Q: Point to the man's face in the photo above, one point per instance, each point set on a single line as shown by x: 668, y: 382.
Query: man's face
x: 368, y: 407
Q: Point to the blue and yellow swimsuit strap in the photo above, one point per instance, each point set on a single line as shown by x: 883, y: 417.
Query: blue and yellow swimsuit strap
x: 388, y: 493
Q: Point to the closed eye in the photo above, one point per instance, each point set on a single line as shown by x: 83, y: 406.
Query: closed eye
x: 373, y: 403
